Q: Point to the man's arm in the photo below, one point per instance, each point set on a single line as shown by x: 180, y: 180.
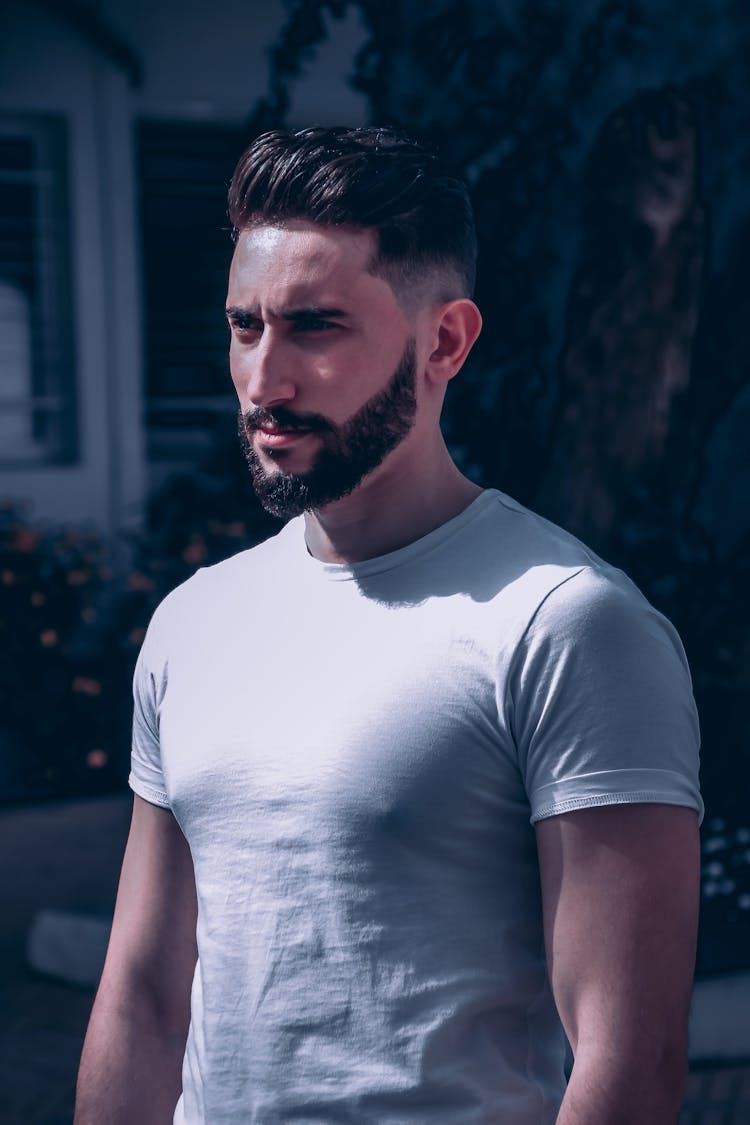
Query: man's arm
x: 131, y: 1063
x: 620, y: 890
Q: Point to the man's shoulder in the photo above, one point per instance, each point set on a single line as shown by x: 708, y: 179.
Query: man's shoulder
x: 532, y: 537
x: 271, y: 553
x: 202, y: 595
x: 533, y: 558
x: 540, y: 589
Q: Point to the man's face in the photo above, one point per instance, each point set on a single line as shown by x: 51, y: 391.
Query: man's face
x: 346, y: 454
x: 323, y: 361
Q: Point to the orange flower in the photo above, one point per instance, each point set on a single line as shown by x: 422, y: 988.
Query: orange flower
x: 140, y: 581
x: 86, y: 686
x: 77, y: 577
x: 196, y: 550
x: 24, y: 539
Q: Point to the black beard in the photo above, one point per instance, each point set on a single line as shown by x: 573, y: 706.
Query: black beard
x: 348, y: 453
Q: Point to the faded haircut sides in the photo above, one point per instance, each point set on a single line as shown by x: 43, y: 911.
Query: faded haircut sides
x: 372, y: 179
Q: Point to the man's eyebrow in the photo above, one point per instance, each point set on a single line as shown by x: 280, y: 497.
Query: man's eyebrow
x: 311, y: 312
x: 314, y: 312
x: 235, y: 311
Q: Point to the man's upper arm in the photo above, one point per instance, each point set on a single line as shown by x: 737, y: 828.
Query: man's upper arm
x: 620, y: 891
x: 152, y: 950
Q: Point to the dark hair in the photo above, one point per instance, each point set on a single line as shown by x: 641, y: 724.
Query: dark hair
x: 372, y: 178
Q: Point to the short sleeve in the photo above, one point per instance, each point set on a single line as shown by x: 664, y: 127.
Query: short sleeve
x: 146, y: 776
x: 601, y: 702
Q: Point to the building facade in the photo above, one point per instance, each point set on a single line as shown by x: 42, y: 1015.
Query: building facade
x: 119, y: 126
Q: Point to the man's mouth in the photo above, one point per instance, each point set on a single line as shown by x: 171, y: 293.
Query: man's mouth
x: 277, y: 436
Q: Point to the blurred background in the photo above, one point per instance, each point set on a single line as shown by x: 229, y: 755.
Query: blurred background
x: 607, y: 147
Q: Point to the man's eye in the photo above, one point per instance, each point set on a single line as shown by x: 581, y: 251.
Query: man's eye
x: 246, y: 324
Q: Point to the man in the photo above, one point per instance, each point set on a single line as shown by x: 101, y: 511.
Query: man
x: 422, y: 766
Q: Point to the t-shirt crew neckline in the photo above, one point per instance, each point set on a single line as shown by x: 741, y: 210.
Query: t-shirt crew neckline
x: 393, y: 559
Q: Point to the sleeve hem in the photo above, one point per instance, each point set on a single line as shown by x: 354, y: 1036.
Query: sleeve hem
x: 635, y: 797
x: 615, y: 787
x: 148, y: 792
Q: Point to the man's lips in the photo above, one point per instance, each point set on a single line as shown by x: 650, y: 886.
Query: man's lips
x: 276, y: 437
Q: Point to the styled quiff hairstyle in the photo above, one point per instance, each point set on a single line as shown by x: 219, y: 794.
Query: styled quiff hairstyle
x: 373, y: 179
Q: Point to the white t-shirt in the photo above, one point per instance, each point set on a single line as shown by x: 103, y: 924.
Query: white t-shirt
x: 356, y: 755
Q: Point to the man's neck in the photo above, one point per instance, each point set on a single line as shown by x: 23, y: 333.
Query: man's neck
x: 383, y: 515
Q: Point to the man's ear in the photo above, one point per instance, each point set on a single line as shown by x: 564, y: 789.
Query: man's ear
x: 454, y: 330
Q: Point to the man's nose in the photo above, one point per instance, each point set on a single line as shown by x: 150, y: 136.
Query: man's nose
x: 267, y: 374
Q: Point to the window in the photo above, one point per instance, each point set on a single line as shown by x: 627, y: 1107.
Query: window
x: 184, y: 173
x: 37, y: 392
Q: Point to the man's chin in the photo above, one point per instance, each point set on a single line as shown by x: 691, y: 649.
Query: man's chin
x: 287, y: 495
x: 284, y: 495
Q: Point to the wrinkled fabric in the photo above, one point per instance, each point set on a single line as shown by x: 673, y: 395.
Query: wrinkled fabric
x: 356, y: 755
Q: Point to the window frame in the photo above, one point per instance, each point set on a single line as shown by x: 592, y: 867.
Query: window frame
x: 51, y: 403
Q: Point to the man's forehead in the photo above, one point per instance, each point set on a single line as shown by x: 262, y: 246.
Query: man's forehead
x: 307, y: 247
x: 300, y: 264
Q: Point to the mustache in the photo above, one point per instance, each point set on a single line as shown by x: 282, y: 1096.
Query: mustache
x: 282, y: 417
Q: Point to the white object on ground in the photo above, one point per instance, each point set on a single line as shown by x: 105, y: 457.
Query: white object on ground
x: 68, y: 946
x: 720, y: 1018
